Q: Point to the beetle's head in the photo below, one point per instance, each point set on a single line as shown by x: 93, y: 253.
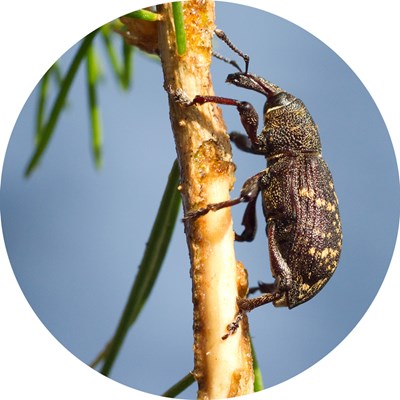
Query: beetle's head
x: 276, y: 97
x: 253, y: 82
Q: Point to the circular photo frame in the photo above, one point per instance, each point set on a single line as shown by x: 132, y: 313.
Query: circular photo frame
x: 75, y: 235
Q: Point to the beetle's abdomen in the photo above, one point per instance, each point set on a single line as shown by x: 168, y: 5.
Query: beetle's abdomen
x: 299, y: 196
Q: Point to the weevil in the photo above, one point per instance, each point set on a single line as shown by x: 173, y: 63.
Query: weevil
x: 299, y: 202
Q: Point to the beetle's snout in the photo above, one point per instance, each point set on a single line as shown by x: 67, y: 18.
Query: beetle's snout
x: 246, y: 81
x: 253, y: 82
x: 237, y: 78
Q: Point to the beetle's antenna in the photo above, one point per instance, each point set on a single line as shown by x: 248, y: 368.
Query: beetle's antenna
x: 221, y: 35
x: 227, y: 60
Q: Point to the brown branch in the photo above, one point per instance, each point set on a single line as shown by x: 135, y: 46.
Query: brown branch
x: 223, y: 368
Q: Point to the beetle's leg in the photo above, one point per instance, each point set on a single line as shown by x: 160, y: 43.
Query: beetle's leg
x: 213, y: 207
x: 248, y: 114
x: 246, y: 305
x: 262, y: 287
x: 244, y: 143
x: 249, y: 222
x: 273, y: 292
x: 280, y: 270
x: 248, y: 194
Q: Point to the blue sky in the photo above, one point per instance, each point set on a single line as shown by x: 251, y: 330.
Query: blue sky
x: 75, y: 235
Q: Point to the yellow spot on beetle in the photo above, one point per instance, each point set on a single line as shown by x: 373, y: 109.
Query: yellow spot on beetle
x: 330, y: 207
x: 305, y: 192
x: 320, y: 202
x: 305, y: 287
x: 324, y: 252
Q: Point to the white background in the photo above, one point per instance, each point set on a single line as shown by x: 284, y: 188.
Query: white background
x: 365, y: 37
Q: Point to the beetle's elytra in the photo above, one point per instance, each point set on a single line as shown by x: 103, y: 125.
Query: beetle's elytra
x: 298, y: 196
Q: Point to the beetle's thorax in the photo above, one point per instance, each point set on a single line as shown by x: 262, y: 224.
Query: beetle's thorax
x: 288, y: 128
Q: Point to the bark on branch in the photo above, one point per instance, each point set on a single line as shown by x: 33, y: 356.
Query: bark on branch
x: 223, y: 368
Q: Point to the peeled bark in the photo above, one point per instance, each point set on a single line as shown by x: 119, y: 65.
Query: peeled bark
x: 222, y: 368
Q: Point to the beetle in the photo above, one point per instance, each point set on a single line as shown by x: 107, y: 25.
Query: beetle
x: 299, y: 202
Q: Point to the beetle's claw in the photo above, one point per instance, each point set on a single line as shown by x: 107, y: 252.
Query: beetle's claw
x: 188, y: 216
x: 178, y: 95
x: 233, y: 326
x: 263, y: 288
